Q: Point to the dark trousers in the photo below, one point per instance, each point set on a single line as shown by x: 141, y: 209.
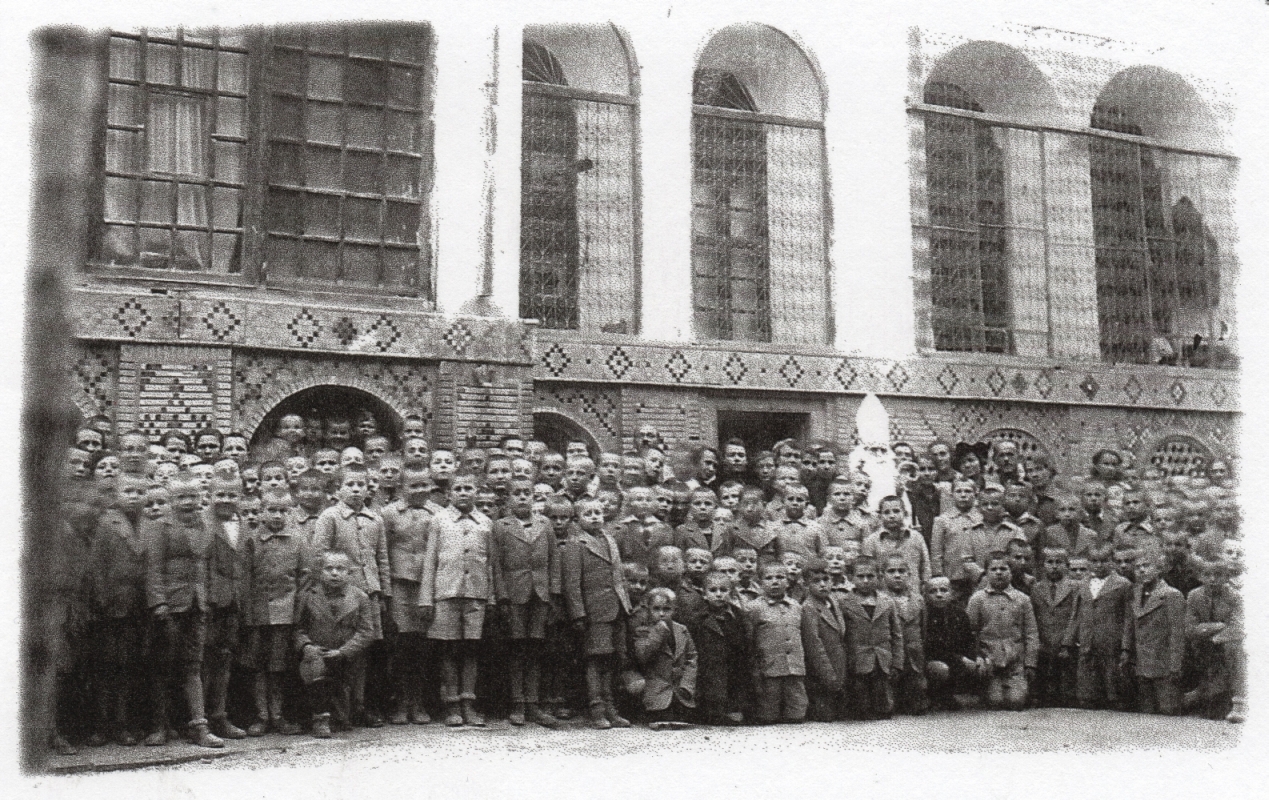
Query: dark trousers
x: 781, y: 698
x: 1055, y: 680
x: 1158, y: 696
x: 1098, y: 683
x: 910, y: 687
x: 874, y: 697
x: 332, y: 694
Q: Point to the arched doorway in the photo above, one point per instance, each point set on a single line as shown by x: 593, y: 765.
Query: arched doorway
x: 558, y: 430
x: 329, y: 402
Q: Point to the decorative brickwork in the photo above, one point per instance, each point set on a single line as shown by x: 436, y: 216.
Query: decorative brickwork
x: 165, y: 388
x: 597, y: 409
x: 96, y: 372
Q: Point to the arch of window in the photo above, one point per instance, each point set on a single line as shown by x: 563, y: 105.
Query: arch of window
x: 759, y: 260
x: 578, y: 231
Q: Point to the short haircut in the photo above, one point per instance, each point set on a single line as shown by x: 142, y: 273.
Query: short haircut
x: 556, y: 503
x: 766, y: 566
x: 1042, y: 460
x: 965, y: 482
x: 816, y: 566
x: 893, y: 558
x: 307, y: 475
x: 327, y: 555
x: 1014, y: 544
x: 865, y: 562
x: 352, y: 469
x: 705, y: 490
x: 661, y: 593
x: 466, y: 477
x: 752, y: 491
x: 213, y: 432
x: 890, y: 498
x: 276, y: 497
x: 630, y: 569
x: 714, y: 576
x: 1106, y: 451
x: 998, y: 555
x: 1058, y: 552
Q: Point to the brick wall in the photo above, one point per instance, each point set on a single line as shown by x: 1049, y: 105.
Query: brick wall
x: 163, y: 388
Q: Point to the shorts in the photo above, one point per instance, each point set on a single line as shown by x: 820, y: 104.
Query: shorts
x: 270, y: 648
x: 602, y: 638
x: 179, y: 637
x: 528, y: 620
x: 119, y: 641
x: 458, y: 618
x: 222, y: 637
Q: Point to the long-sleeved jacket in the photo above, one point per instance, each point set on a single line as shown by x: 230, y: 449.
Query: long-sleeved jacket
x: 911, y: 610
x: 908, y: 544
x: 226, y: 568
x: 117, y: 559
x: 948, y: 636
x: 176, y: 566
x: 359, y: 534
x: 638, y: 539
x: 877, y: 639
x: 957, y: 538
x: 593, y: 585
x: 761, y: 537
x: 343, y: 622
x: 277, y: 565
x: 775, y: 631
x: 667, y: 659
x: 457, y: 562
x: 825, y: 645
x: 802, y: 536
x: 717, y: 539
x: 1054, y: 605
x: 522, y: 558
x: 1158, y: 631
x: 722, y: 656
x: 1004, y: 625
x: 1102, y: 625
x: 407, y: 530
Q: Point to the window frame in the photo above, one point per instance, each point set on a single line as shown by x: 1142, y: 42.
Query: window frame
x: 253, y: 266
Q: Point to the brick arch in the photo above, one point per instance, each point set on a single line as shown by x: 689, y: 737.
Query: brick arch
x: 282, y: 392
x: 1028, y: 443
x: 1175, y: 451
x: 593, y: 442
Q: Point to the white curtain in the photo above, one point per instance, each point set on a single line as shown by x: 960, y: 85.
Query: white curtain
x: 178, y: 148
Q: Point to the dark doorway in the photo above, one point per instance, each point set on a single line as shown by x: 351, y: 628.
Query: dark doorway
x: 557, y: 430
x: 324, y: 402
x: 759, y: 430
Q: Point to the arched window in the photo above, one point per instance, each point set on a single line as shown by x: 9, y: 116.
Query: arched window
x: 759, y: 261
x: 969, y: 280
x: 578, y: 248
x: 1158, y: 271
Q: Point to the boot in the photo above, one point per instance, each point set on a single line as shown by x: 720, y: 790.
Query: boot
x: 453, y: 716
x: 419, y: 715
x: 399, y: 715
x: 517, y: 714
x: 157, y: 739
x: 618, y: 721
x: 63, y: 747
x: 202, y: 736
x: 598, y: 719
x: 321, y: 726
x: 225, y: 729
x: 1238, y: 713
x: 535, y: 713
x: 471, y: 716
x: 125, y: 738
x: 257, y: 728
x: 285, y: 727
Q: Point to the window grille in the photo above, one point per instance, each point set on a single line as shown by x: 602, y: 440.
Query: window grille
x: 176, y: 132
x: 1181, y: 455
x: 577, y: 236
x: 1157, y: 273
x: 966, y: 187
x: 347, y: 156
x: 1028, y: 445
x: 759, y: 270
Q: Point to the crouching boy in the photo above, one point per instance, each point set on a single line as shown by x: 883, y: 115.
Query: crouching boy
x: 667, y: 656
x: 1004, y: 626
x: 334, y: 623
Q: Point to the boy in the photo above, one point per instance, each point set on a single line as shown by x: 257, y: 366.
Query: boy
x: 1068, y: 533
x: 722, y: 678
x: 949, y: 645
x: 608, y: 472
x: 1124, y: 558
x: 697, y: 561
x: 522, y: 550
x: 1077, y: 569
x: 837, y: 521
x: 747, y: 588
x: 176, y: 594
x: 551, y: 470
x: 407, y: 524
x: 441, y: 466
x: 639, y: 533
x: 295, y: 467
x: 795, y: 531
x: 277, y: 567
x: 838, y: 564
x: 998, y: 531
x: 376, y: 447
x: 456, y: 587
x: 1209, y: 610
x: 953, y: 544
x: 700, y: 530
x: 1053, y: 597
x: 794, y: 563
x: 350, y: 527
x: 597, y: 602
x: 752, y: 529
x: 779, y: 663
x: 1100, y: 628
x: 1019, y: 500
x: 274, y: 477
x: 325, y: 461
x: 334, y: 623
x: 117, y: 572
x: 876, y: 636
x: 666, y: 656
x: 338, y: 433
x: 729, y: 496
x: 908, y: 679
x: 1004, y: 626
x: 498, y: 476
x: 896, y: 537
x: 561, y: 665
x: 388, y: 469
x: 225, y: 570
x: 825, y: 645
x: 1158, y: 635
x: 416, y: 453
x: 632, y: 471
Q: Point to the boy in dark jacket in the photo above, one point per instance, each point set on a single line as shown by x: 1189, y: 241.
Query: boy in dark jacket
x: 334, y: 623
x: 722, y: 656
x: 949, y: 646
x: 824, y: 645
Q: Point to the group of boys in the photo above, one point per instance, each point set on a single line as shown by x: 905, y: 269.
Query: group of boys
x: 754, y: 590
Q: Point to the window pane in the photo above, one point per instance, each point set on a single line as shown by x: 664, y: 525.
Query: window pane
x: 156, y: 247
x: 326, y: 39
x: 228, y: 161
x: 226, y: 204
x: 160, y: 63
x: 325, y: 78
x: 287, y: 118
x: 156, y: 202
x: 191, y: 205
x: 401, y: 223
x: 193, y: 250
x: 321, y: 261
x: 365, y: 127
x: 121, y: 151
x: 399, y: 267
x: 286, y: 164
x: 119, y: 245
x: 121, y: 199
x: 364, y: 173
x: 284, y: 258
x: 323, y: 124
x: 197, y: 68
x: 283, y: 212
x: 366, y: 82
x: 176, y: 137
x: 403, y: 176
x: 407, y: 46
x: 124, y: 105
x: 321, y: 215
x: 225, y: 253
x: 403, y: 131
x: 232, y: 73
x: 366, y: 41
x: 404, y: 87
x: 229, y: 116
x: 361, y: 264
x: 323, y: 168
x: 361, y: 219
x: 124, y: 57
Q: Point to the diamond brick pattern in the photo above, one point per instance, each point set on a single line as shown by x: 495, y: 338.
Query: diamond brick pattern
x: 792, y: 371
x: 384, y: 333
x: 133, y: 317
x: 1089, y: 387
x: 947, y: 379
x: 1133, y: 389
x: 996, y: 382
x: 95, y: 372
x: 458, y: 337
x: 1177, y: 391
x: 678, y: 366
x: 735, y: 369
x: 846, y: 374
x: 556, y: 360
x: 344, y: 331
x: 619, y: 363
x: 304, y: 328
x: 221, y: 322
x: 898, y: 376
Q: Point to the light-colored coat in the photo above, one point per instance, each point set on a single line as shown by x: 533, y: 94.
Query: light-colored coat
x: 359, y: 534
x: 522, y: 559
x: 668, y: 665
x: 877, y: 641
x: 457, y: 562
